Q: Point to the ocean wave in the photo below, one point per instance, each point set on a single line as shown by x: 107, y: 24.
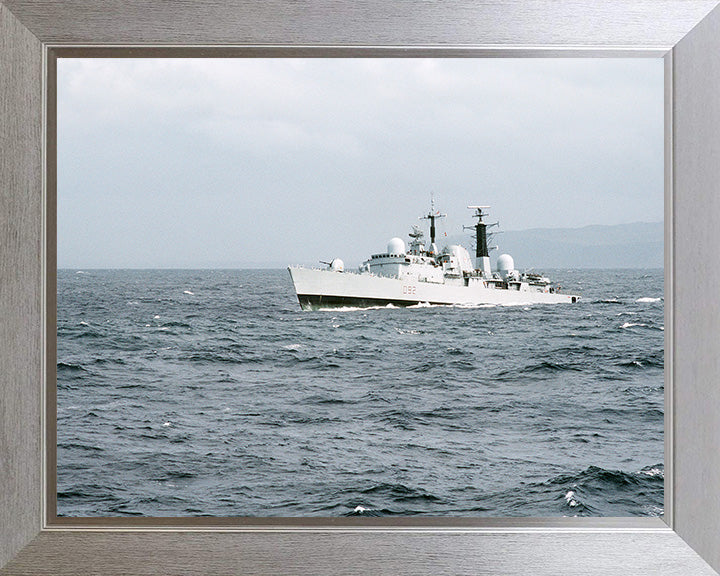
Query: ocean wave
x: 85, y: 333
x: 328, y: 400
x: 656, y: 471
x: 543, y: 367
x: 400, y: 419
x: 400, y: 492
x: 648, y: 300
x: 69, y: 368
x: 208, y: 357
x: 369, y: 512
x: 463, y: 365
x: 570, y: 499
x: 594, y: 479
x: 627, y: 325
x: 455, y: 352
x: 174, y: 475
x: 582, y: 349
x: 350, y: 308
x: 411, y: 332
x: 83, y: 491
x: 78, y: 446
x: 309, y: 419
x: 429, y: 365
x: 653, y: 360
x: 104, y: 361
x: 175, y: 324
x: 583, y: 493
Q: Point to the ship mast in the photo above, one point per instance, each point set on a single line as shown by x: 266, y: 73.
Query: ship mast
x: 482, y: 255
x: 432, y: 215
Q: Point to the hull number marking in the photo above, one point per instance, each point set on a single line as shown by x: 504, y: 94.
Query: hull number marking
x: 409, y: 289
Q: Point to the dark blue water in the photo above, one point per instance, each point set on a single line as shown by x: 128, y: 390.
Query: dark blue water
x: 210, y: 392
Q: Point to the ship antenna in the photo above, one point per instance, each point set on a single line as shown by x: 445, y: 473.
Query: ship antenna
x: 432, y: 215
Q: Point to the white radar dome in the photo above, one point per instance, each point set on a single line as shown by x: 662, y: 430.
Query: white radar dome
x: 505, y: 263
x: 337, y: 265
x: 396, y: 246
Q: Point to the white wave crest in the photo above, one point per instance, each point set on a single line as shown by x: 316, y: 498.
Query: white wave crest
x: 401, y: 331
x: 648, y: 300
x: 349, y: 308
x: 570, y: 499
x: 363, y: 510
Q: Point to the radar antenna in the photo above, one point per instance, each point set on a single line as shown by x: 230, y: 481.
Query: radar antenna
x: 416, y: 233
x: 432, y: 216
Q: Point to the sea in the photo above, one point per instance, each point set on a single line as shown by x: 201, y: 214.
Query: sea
x: 211, y: 393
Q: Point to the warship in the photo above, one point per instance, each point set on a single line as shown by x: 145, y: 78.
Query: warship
x: 421, y: 275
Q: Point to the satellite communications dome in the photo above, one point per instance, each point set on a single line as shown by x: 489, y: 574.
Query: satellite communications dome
x: 505, y: 263
x: 337, y: 265
x: 396, y: 246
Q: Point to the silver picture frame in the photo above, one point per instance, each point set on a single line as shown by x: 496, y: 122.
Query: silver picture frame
x: 686, y: 33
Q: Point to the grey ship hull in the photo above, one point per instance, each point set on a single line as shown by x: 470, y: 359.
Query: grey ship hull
x: 330, y: 289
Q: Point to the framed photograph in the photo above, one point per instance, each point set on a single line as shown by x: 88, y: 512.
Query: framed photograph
x: 429, y: 372
x: 36, y: 539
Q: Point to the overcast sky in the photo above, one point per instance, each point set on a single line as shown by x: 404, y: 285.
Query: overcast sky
x: 253, y: 162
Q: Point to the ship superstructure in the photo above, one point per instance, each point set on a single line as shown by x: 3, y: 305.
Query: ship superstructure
x: 421, y: 274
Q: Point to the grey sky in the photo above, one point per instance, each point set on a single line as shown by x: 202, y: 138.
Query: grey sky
x: 246, y: 162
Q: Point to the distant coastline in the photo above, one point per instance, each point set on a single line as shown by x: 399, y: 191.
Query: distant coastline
x: 636, y: 245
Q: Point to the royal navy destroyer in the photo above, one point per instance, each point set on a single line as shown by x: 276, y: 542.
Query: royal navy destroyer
x: 420, y: 274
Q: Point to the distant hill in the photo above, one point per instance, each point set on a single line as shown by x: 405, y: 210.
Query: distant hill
x: 638, y: 245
